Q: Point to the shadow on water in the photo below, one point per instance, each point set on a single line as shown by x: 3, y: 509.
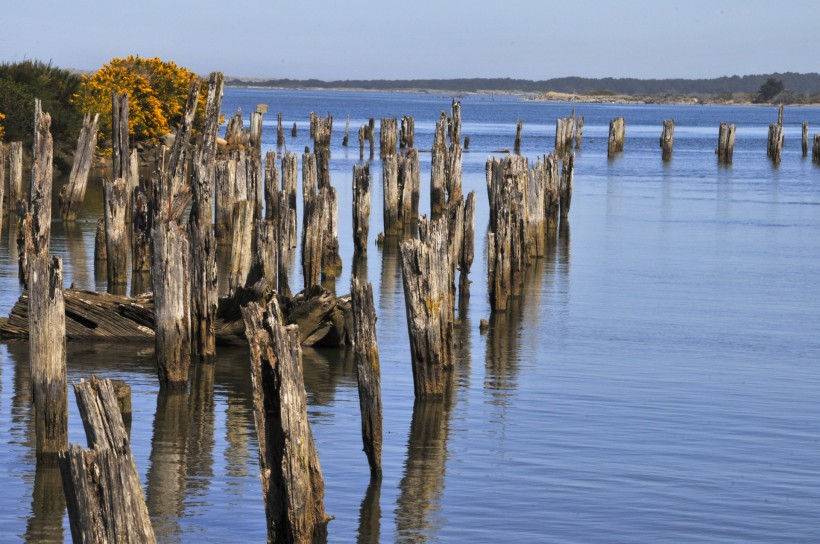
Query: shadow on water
x: 422, y: 485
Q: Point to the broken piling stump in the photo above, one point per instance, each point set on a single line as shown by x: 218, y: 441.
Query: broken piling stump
x: 726, y: 143
x: 73, y: 192
x: 140, y: 232
x: 518, y: 128
x: 815, y: 149
x: 242, y: 245
x: 617, y: 132
x: 116, y: 231
x: 361, y: 207
x: 564, y: 134
x: 439, y: 164
x: 101, y: 484
x: 366, y: 356
x: 407, y: 133
x: 667, y: 139
x: 387, y: 137
x: 292, y: 483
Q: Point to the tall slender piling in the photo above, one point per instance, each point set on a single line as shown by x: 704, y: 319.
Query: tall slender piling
x: 200, y: 228
x: 565, y: 186
x: 667, y: 139
x: 366, y: 357
x: 387, y: 137
x: 255, y: 139
x: 519, y: 127
x: 140, y: 232
x: 774, y: 146
x: 427, y: 281
x: 409, y: 186
x: 120, y: 153
x: 312, y: 240
x: 280, y: 131
x: 292, y: 483
x: 73, y: 192
x: 362, y: 138
x: 46, y: 305
x: 467, y: 253
x: 805, y: 138
x: 617, y: 133
x: 407, y: 133
x: 390, y: 196
x: 815, y: 149
x: 361, y: 206
x: 242, y: 245
x: 102, y: 485
x: 117, y: 202
x: 15, y: 177
x: 579, y: 131
x: 726, y: 143
x: 323, y: 129
x: 290, y: 180
x: 371, y: 131
x: 439, y: 164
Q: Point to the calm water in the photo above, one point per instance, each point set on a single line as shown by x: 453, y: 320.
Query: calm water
x: 658, y: 381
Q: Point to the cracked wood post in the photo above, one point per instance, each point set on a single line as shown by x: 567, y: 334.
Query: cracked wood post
x: 290, y: 180
x: 427, y: 282
x: 120, y: 154
x: 101, y: 484
x: 518, y: 128
x: 726, y: 143
x: 46, y: 306
x: 204, y: 284
x: 617, y: 132
x: 368, y: 374
x: 15, y: 177
x: 312, y: 244
x: 100, y: 251
x: 774, y: 146
x: 292, y: 483
x: 387, y: 137
x: 409, y: 187
x: 255, y: 140
x: 536, y: 229
x: 331, y: 261
x: 141, y: 232
x: 371, y: 131
x: 565, y: 186
x: 264, y: 268
x: 225, y: 181
x: 467, y: 253
x: 362, y: 138
x: 564, y: 134
x: 361, y: 206
x: 805, y: 138
x: 73, y: 192
x: 579, y: 131
x: 116, y: 203
x: 439, y: 163
x: 309, y: 177
x: 407, y: 134
x: 242, y: 245
x: 667, y: 139
x: 390, y: 196
x: 280, y: 131
x: 271, y: 187
x: 552, y: 198
x: 323, y: 129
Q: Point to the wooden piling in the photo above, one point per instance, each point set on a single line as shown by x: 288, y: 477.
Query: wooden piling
x: 552, y: 198
x: 366, y: 356
x: 409, y: 186
x: 805, y: 138
x: 204, y: 283
x: 46, y: 305
x: 815, y: 149
x: 312, y: 243
x: 15, y: 177
x: 235, y: 134
x: 100, y: 250
x: 390, y: 196
x: 427, y: 281
x: 407, y: 134
x: 116, y: 231
x: 271, y: 186
x: 331, y: 260
x: 362, y: 138
x: 387, y: 137
x: 102, y: 486
x: 439, y: 164
x: 726, y: 143
x: 565, y: 186
x: 73, y: 192
x: 579, y: 131
x: 466, y: 143
x: 290, y: 180
x: 224, y: 180
x: 309, y: 175
x: 255, y: 139
x: 455, y: 122
x: 667, y: 139
x: 617, y: 133
x: 242, y: 245
x: 564, y: 134
x: 518, y: 128
x: 120, y: 153
x: 280, y: 131
x: 467, y: 253
x: 140, y: 232
x: 371, y: 131
x: 293, y: 130
x: 291, y: 475
x: 264, y: 269
x: 361, y: 206
x: 774, y: 146
x: 323, y: 130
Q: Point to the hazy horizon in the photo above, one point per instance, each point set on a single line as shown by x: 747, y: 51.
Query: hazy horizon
x: 526, y: 39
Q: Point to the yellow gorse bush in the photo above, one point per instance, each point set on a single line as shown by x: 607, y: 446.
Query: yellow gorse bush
x: 2, y: 133
x: 157, y: 91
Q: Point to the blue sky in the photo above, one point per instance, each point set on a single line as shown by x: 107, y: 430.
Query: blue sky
x: 369, y: 39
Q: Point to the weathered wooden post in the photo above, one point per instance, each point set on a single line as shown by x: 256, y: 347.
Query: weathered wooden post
x: 321, y: 148
x: 271, y: 187
x: 409, y: 186
x: 312, y: 244
x: 116, y: 231
x: 518, y: 128
x: 467, y: 253
x: 120, y: 153
x: 235, y: 134
x: 726, y: 143
x: 361, y: 207
x: 371, y: 131
x: 242, y: 245
x: 407, y: 135
x: 362, y: 138
x: 140, y: 232
x: 579, y: 131
x: 805, y: 138
x: 256, y: 130
x: 102, y: 486
x: 224, y: 180
x: 293, y: 130
x: 15, y: 177
x: 667, y: 139
x: 466, y: 143
x: 204, y: 283
x: 390, y: 196
x: 774, y: 145
x: 427, y: 281
x: 565, y: 187
x: 815, y: 149
x: 552, y: 198
x: 2, y: 183
x: 290, y: 181
x: 438, y: 168
x: 387, y: 137
x: 309, y: 177
x: 564, y: 134
x: 73, y: 192
x: 331, y: 261
x: 366, y: 356
x: 453, y: 183
x: 617, y: 132
x: 100, y: 251
x: 347, y: 131
x: 291, y: 475
x: 280, y: 131
x: 46, y: 306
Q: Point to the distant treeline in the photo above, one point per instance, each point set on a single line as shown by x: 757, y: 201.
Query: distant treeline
x: 796, y: 83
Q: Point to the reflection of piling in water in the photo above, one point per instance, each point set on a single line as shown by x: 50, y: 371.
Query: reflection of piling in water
x: 47, y: 505
x: 292, y: 483
x: 166, y: 482
x: 366, y: 355
x: 201, y: 427
x: 726, y: 143
x: 76, y: 252
x: 370, y: 514
x: 667, y: 139
x: 427, y: 279
x: 422, y: 484
x: 102, y: 485
x: 617, y: 133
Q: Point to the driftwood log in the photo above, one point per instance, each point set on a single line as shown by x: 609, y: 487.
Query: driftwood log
x: 102, y: 486
x: 73, y: 192
x: 292, y: 482
x: 366, y: 357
